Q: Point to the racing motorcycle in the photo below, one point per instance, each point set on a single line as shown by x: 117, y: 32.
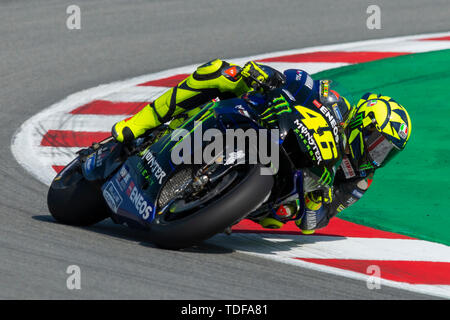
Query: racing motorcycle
x: 180, y: 204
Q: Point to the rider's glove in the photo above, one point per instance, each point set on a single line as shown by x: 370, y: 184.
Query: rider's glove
x: 258, y: 76
x: 313, y: 200
x: 254, y: 75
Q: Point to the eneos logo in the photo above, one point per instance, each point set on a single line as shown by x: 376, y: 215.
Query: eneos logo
x: 141, y: 205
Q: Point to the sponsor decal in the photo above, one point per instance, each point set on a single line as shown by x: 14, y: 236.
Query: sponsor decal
x: 403, y: 131
x: 155, y: 168
x: 283, y: 211
x: 337, y: 112
x: 364, y: 184
x: 371, y: 103
x: 90, y: 163
x: 100, y: 156
x: 357, y: 194
x: 311, y: 220
x: 317, y: 103
x: 347, y: 168
x: 112, y: 197
x: 332, y: 121
x: 379, y: 149
x: 311, y: 153
x: 142, y: 206
x: 310, y: 139
x: 324, y: 87
x: 340, y: 208
x: 351, y: 201
x: 232, y: 72
x: 309, y: 82
x: 123, y: 177
x: 130, y: 188
x: 298, y: 77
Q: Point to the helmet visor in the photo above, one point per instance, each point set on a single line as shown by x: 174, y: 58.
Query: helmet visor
x: 379, y: 150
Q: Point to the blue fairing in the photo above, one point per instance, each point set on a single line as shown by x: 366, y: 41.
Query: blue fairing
x: 132, y: 192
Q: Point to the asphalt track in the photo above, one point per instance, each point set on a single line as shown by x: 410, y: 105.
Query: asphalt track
x: 41, y: 62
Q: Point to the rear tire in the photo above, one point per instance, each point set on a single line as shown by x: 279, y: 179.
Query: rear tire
x: 244, y: 197
x: 73, y: 200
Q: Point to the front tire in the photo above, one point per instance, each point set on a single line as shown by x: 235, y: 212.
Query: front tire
x: 73, y: 200
x: 214, y: 218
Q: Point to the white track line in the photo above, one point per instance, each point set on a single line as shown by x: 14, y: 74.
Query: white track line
x: 326, y: 247
x: 434, y: 290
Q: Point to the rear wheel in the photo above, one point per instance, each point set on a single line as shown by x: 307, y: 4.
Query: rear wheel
x: 237, y: 193
x: 74, y: 200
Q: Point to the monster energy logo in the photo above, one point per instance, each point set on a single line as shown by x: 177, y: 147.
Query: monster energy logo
x: 311, y: 141
x: 305, y: 142
x: 154, y: 166
x: 281, y: 105
x: 357, y: 122
x: 326, y: 177
x: 366, y: 166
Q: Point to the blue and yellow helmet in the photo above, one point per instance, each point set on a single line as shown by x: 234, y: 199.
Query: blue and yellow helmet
x: 378, y: 127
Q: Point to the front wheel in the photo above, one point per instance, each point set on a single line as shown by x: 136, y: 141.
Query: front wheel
x: 242, y: 197
x: 74, y: 200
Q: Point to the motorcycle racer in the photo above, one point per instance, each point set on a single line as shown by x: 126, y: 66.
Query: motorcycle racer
x: 373, y: 131
x: 377, y: 129
x: 215, y: 79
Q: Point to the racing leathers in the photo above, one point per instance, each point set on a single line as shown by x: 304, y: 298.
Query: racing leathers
x: 215, y: 79
x: 343, y: 185
x: 220, y: 79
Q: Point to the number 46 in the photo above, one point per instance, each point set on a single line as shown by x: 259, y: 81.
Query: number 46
x: 322, y: 133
